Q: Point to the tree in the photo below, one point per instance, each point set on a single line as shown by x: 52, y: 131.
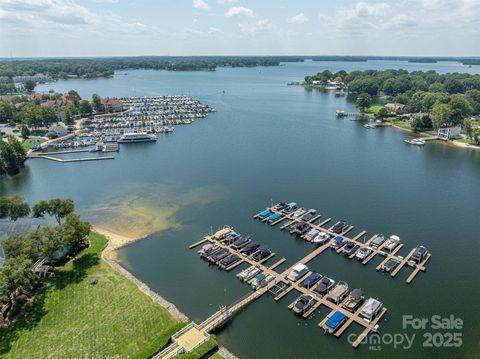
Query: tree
x: 58, y: 208
x: 97, y: 103
x: 75, y: 231
x: 382, y: 113
x: 48, y: 116
x: 52, y: 241
x: 363, y: 101
x: 17, y: 246
x: 85, y: 108
x: 6, y: 111
x: 17, y: 273
x: 461, y: 108
x: 12, y: 155
x: 24, y: 132
x: 30, y: 85
x: 441, y: 114
x: 422, y: 123
x: 13, y: 207
x: 467, y: 125
x: 74, y: 96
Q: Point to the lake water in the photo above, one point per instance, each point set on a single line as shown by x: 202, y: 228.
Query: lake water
x: 272, y: 142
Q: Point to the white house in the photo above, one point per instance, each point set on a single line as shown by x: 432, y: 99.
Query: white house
x: 449, y: 133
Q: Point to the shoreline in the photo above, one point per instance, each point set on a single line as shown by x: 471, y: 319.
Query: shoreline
x: 109, y: 255
x: 454, y: 143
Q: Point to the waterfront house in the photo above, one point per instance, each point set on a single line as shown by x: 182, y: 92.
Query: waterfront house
x: 449, y: 133
x: 395, y: 108
x: 59, y: 129
x: 111, y: 104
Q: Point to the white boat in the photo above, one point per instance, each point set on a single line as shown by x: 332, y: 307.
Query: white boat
x: 248, y: 273
x: 137, y: 137
x: 370, y: 309
x: 298, y: 271
x: 321, y: 238
x: 416, y: 142
x: 391, y: 243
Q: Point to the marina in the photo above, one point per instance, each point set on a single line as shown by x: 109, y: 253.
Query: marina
x: 264, y: 279
x: 302, y: 223
x: 143, y: 116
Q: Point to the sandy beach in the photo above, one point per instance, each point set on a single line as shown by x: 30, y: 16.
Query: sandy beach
x: 115, y: 241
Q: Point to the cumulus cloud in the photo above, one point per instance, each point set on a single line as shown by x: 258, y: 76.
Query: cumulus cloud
x: 201, y: 5
x: 298, y: 19
x: 239, y: 11
x: 227, y: 1
x: 257, y: 26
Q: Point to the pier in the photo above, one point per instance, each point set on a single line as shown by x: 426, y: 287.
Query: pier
x: 321, y: 227
x: 194, y: 335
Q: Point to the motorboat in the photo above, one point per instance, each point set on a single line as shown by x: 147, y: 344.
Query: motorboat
x: 390, y: 265
x: 311, y: 280
x: 241, y: 242
x: 310, y: 235
x: 350, y: 248
x: 250, y: 248
x: 229, y: 261
x: 280, y: 206
x: 363, y: 253
x: 419, y: 254
x: 311, y: 213
x: 334, y: 322
x: 292, y: 206
x: 299, y: 212
x: 262, y: 253
x: 416, y: 142
x: 303, y: 303
x: 339, y: 227
x: 377, y: 241
x: 248, y: 273
x: 261, y: 280
x: 298, y: 271
x: 321, y: 238
x: 218, y: 256
x: 274, y: 217
x: 338, y: 293
x: 232, y: 237
x: 300, y: 228
x: 338, y: 242
x: 209, y: 251
x: 391, y: 243
x: 370, y: 309
x: 324, y: 285
x: 264, y: 214
x: 354, y: 300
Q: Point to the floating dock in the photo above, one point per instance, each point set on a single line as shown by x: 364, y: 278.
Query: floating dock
x: 321, y: 227
x: 280, y: 286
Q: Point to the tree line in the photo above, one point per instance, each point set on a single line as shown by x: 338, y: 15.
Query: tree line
x: 22, y: 251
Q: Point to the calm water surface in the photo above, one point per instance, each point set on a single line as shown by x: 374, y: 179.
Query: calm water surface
x: 271, y: 142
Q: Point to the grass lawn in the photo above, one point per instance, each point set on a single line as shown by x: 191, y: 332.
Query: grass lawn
x: 373, y: 109
x: 402, y: 124
x: 26, y: 146
x: 75, y: 319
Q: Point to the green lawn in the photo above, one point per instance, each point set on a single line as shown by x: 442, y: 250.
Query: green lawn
x: 75, y: 319
x: 373, y: 109
x: 26, y: 146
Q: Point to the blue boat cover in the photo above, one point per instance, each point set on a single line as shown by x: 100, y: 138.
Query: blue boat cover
x: 264, y: 213
x: 274, y: 216
x: 335, y: 320
x: 338, y: 238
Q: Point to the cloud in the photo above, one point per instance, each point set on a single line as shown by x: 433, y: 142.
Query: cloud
x: 363, y: 9
x: 257, y: 26
x: 239, y: 11
x: 227, y: 1
x: 201, y: 5
x: 214, y: 30
x: 298, y: 19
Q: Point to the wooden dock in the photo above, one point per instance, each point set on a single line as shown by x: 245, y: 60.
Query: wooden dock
x: 375, y: 251
x: 286, y: 286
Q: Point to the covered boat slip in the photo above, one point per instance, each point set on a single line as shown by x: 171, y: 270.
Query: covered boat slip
x: 280, y: 286
x: 290, y: 220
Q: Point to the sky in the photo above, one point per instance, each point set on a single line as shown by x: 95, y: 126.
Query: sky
x: 52, y: 28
